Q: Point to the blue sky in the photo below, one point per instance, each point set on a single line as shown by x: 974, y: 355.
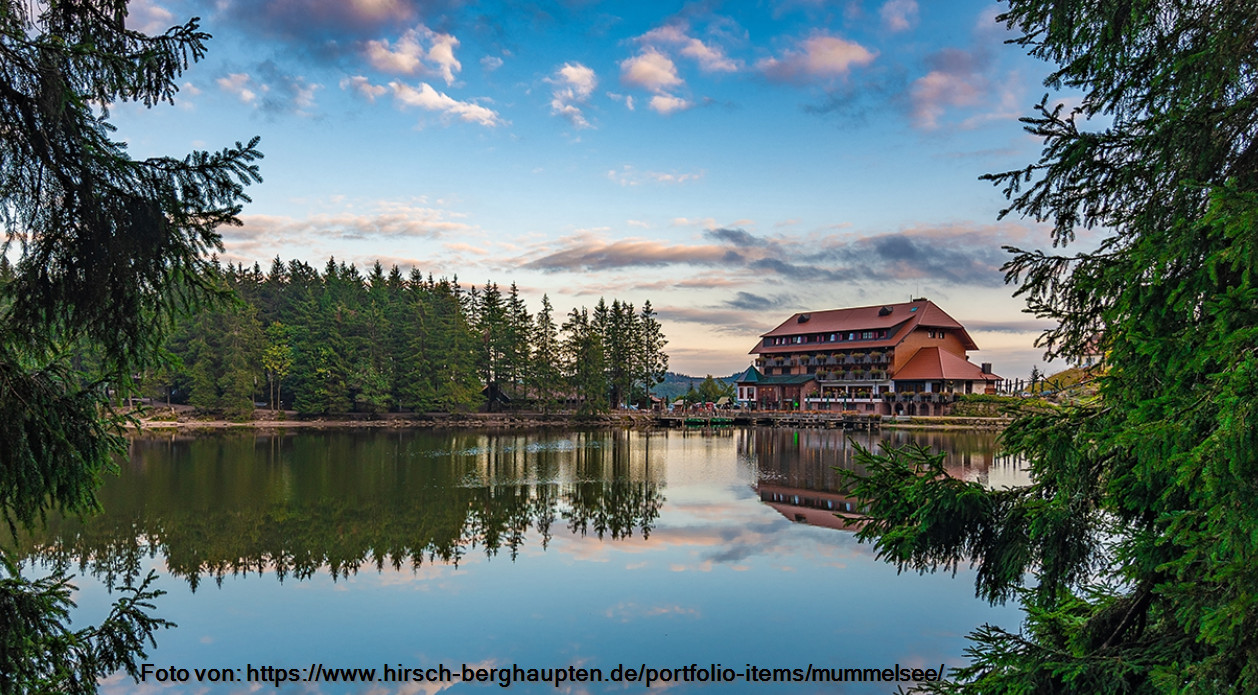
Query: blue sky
x: 731, y: 162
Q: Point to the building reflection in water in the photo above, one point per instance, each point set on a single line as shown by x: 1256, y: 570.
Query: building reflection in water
x: 796, y: 469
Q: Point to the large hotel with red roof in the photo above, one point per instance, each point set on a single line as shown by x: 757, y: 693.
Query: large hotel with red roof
x: 892, y: 359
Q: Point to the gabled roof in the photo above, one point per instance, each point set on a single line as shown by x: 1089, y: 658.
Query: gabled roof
x: 751, y: 376
x: 932, y: 364
x: 898, y: 319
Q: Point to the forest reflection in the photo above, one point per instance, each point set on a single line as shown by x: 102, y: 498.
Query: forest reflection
x: 298, y: 504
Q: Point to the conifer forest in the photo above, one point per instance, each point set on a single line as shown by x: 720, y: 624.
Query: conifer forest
x: 343, y: 341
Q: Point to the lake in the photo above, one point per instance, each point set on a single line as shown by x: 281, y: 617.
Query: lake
x: 591, y: 556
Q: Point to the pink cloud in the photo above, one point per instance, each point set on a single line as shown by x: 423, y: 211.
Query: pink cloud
x: 650, y: 70
x: 710, y: 58
x: 820, y: 56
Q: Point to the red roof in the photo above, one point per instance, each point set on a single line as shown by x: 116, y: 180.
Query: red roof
x: 933, y: 364
x: 898, y: 319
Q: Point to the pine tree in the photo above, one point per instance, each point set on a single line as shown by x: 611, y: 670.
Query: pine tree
x: 620, y: 349
x: 652, y: 361
x: 112, y: 250
x: 517, y: 348
x: 545, y: 374
x: 1138, y: 532
x: 584, y: 362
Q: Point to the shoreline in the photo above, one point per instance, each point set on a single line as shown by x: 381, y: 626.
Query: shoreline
x: 266, y: 421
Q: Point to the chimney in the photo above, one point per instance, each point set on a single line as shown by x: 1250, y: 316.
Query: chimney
x: 987, y: 367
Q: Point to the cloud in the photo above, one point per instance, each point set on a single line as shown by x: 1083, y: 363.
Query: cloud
x: 798, y: 271
x: 701, y: 222
x: 261, y: 235
x: 737, y: 237
x: 461, y: 247
x: 1012, y: 326
x: 429, y: 99
x: 949, y: 254
x: 636, y: 283
x: 573, y: 84
x: 666, y: 104
x: 364, y: 87
x: 735, y: 322
x: 650, y: 70
x: 820, y: 56
x: 952, y: 255
x: 271, y: 90
x: 628, y: 176
x: 408, y: 56
x: 956, y: 79
x: 442, y: 53
x: 899, y: 15
x: 710, y: 58
x: 285, y: 92
x: 318, y: 21
x: 148, y: 17
x: 965, y: 80
x: 491, y: 63
x: 747, y: 301
x: 625, y: 612
x: 586, y: 252
x: 240, y: 85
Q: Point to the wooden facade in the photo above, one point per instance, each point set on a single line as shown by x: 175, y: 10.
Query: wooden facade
x: 908, y: 358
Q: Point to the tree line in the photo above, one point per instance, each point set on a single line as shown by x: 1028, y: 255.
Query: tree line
x: 340, y: 341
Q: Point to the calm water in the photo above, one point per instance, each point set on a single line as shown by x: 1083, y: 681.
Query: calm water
x: 543, y: 550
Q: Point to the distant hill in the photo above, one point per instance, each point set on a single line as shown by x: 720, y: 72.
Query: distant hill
x: 675, y: 384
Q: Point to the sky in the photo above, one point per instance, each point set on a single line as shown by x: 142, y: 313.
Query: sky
x: 731, y: 163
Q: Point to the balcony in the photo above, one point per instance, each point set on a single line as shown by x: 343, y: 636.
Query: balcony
x: 920, y: 397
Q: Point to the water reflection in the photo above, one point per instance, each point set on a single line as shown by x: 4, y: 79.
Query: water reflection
x: 796, y: 469
x: 298, y: 504
x: 538, y: 549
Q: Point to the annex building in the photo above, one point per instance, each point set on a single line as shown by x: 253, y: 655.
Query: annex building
x: 892, y: 359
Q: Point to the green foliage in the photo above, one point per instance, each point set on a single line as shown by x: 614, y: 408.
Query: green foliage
x: 996, y: 405
x: 1138, y: 531
x: 544, y: 377
x: 277, y: 360
x: 56, y: 445
x: 338, y: 341
x: 225, y: 358
x: 711, y: 390
x: 584, y: 362
x: 110, y: 251
x: 40, y: 654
